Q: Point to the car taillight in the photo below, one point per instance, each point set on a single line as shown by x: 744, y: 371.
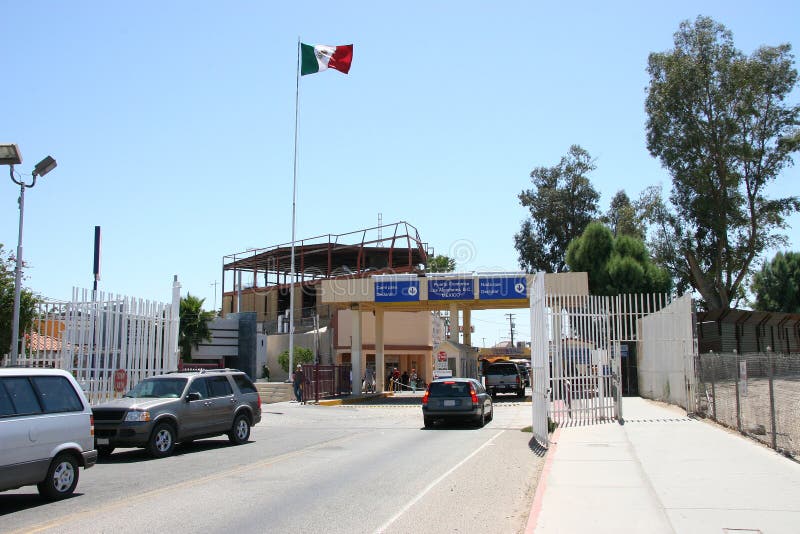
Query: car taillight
x: 258, y: 396
x: 518, y: 380
x: 474, y: 396
x: 91, y: 425
x: 425, y: 397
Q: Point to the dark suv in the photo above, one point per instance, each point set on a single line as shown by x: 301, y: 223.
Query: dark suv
x: 163, y: 410
x: 504, y: 377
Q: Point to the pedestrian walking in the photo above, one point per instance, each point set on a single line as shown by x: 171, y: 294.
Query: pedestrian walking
x: 413, y: 379
x: 299, y: 382
x: 369, y: 380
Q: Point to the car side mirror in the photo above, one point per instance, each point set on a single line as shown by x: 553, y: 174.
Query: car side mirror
x: 192, y: 396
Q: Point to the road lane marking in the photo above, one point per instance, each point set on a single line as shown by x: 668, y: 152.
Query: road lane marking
x: 432, y: 485
x: 127, y: 501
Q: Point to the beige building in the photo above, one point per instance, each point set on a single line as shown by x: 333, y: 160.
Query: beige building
x: 407, y: 341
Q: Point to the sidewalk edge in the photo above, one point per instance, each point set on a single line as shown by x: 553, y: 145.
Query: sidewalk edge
x: 541, y: 486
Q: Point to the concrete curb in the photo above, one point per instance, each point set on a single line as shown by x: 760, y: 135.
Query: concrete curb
x: 353, y: 400
x: 541, y: 486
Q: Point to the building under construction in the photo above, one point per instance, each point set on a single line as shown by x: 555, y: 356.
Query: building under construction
x: 260, y: 280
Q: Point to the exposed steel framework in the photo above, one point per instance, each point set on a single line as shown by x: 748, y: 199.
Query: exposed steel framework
x: 389, y: 248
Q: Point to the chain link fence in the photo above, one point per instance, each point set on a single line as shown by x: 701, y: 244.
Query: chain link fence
x: 757, y: 394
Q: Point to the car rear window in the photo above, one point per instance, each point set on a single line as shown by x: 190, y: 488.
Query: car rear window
x: 57, y: 394
x: 219, y: 386
x: 244, y: 384
x: 449, y: 389
x: 501, y: 370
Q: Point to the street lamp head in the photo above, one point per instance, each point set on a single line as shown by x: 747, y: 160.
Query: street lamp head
x: 10, y: 155
x: 44, y: 166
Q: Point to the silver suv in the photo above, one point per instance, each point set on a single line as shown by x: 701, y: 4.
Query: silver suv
x: 164, y: 410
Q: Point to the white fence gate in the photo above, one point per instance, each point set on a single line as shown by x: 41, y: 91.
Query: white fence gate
x: 540, y: 367
x: 578, y: 342
x: 109, y: 342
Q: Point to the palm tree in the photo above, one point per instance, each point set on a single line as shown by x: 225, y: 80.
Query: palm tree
x: 193, y: 325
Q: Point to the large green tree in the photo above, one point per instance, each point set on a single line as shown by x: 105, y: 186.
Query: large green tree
x: 720, y: 124
x: 623, y: 217
x: 616, y: 265
x: 441, y: 264
x: 777, y: 284
x: 27, y: 302
x: 561, y: 204
x: 193, y: 325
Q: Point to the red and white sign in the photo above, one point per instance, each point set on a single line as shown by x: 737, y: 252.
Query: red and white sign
x: 442, y: 356
x: 120, y: 380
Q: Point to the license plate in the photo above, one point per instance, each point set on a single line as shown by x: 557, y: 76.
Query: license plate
x: 102, y: 441
x: 449, y: 403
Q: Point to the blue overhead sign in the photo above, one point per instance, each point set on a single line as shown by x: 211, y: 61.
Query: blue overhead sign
x: 396, y: 290
x: 502, y: 287
x: 451, y: 289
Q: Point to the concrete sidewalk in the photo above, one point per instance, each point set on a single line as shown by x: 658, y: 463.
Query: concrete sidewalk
x: 662, y: 472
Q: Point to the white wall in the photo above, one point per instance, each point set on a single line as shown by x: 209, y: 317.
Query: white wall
x: 666, y: 354
x: 278, y: 343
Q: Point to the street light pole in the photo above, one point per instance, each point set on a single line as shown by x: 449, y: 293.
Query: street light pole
x: 42, y: 168
x: 18, y: 272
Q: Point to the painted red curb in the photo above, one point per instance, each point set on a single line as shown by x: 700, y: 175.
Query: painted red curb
x: 541, y: 486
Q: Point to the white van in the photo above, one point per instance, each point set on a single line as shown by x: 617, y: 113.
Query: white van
x: 46, y: 431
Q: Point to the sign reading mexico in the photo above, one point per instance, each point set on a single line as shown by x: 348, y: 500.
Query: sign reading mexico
x: 396, y: 288
x: 497, y: 287
x: 450, y: 288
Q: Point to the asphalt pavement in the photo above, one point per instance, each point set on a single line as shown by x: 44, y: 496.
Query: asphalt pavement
x: 663, y: 472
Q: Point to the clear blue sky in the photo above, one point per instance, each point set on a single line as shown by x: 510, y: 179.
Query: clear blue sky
x: 173, y: 125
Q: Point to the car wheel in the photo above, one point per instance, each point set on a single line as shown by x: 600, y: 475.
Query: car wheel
x: 241, y: 430
x: 481, y: 421
x: 428, y: 422
x: 104, y: 451
x: 62, y: 477
x: 491, y: 414
x: 520, y: 393
x: 162, y: 441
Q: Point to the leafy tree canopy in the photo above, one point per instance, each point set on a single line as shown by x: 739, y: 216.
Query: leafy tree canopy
x: 193, y: 325
x: 615, y: 265
x: 777, y: 284
x: 301, y: 355
x: 720, y: 124
x: 27, y: 302
x: 441, y: 264
x: 623, y: 217
x: 561, y: 203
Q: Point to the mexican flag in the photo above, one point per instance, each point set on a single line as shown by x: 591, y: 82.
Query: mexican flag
x: 315, y: 58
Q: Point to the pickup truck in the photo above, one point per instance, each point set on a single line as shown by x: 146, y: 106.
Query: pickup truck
x: 504, y: 377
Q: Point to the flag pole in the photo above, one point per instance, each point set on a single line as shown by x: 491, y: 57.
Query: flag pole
x: 294, y: 211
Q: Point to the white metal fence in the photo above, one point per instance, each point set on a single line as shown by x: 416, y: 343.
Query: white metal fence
x: 584, y: 361
x: 109, y: 342
x: 579, y: 343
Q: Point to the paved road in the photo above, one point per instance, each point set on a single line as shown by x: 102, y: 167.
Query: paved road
x: 309, y: 469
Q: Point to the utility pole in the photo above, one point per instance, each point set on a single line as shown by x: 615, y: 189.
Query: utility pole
x: 215, y: 283
x: 511, y: 326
